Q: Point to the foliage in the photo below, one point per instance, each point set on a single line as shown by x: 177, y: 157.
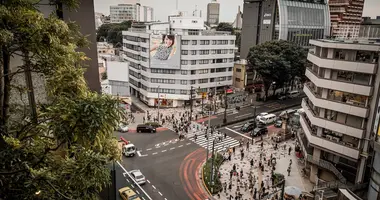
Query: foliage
x: 277, y: 61
x: 224, y: 26
x: 104, y: 76
x: 238, y: 39
x: 112, y: 33
x: 217, y: 187
x: 63, y: 150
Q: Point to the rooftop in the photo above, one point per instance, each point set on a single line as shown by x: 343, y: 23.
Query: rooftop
x: 357, y: 41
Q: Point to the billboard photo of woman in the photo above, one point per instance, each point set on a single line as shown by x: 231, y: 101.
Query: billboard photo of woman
x: 163, y: 51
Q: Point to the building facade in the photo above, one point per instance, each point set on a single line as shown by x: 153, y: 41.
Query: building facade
x: 339, y: 110
x: 346, y: 16
x: 197, y: 59
x: 297, y: 21
x: 126, y: 12
x: 243, y: 76
x: 213, y: 10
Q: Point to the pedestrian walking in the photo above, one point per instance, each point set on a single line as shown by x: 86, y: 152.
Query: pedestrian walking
x: 247, y: 145
x: 225, y: 135
x: 290, y: 149
x: 290, y: 162
x: 233, y: 150
x: 143, y: 119
x: 242, y: 156
x: 195, y: 137
x: 288, y: 171
x: 251, y: 162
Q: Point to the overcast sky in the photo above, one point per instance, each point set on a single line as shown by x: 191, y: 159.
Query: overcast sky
x: 228, y: 8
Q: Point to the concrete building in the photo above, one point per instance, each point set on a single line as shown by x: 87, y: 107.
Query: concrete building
x: 133, y: 11
x: 339, y: 109
x: 243, y: 76
x: 213, y: 10
x: 117, y: 79
x: 293, y: 20
x: 198, y: 59
x: 238, y: 20
x: 105, y: 48
x: 346, y: 16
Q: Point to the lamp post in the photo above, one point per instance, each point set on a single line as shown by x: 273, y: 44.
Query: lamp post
x: 158, y: 104
x: 212, y: 167
x: 254, y: 124
x: 191, y: 103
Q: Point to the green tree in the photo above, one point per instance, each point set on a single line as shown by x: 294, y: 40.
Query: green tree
x: 104, y: 76
x: 224, y: 26
x: 59, y: 148
x: 277, y: 61
x: 112, y: 32
x: 238, y: 39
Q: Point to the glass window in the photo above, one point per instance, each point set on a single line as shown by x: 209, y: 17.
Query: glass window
x: 185, y: 42
x: 184, y: 52
x: 194, y: 42
x: 345, y: 97
x: 183, y: 72
x: 204, y: 80
x: 364, y: 56
x: 183, y: 82
x: 361, y: 78
x: 193, y: 52
x: 193, y: 62
x: 238, y: 70
x: 183, y: 62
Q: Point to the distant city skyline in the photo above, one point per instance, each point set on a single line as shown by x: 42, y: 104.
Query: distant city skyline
x: 228, y: 8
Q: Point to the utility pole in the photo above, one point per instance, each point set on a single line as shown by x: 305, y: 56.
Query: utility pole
x: 191, y: 103
x: 225, y: 106
x: 209, y: 127
x: 158, y: 104
x: 202, y: 103
x: 212, y: 167
x: 254, y: 124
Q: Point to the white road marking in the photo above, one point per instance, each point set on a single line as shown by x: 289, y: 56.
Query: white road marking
x: 238, y: 133
x: 154, y: 153
x: 160, y: 193
x: 137, y: 192
x: 243, y: 115
x: 163, y: 151
x: 237, y: 126
x: 132, y: 186
x: 142, y: 198
x: 166, y: 199
x: 180, y: 146
x: 148, y: 181
x: 172, y: 148
x: 153, y: 187
x: 149, y: 149
x: 188, y: 143
x: 138, y: 153
x: 127, y: 180
x: 124, y: 174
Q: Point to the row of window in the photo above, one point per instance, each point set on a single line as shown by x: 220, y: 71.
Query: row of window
x: 207, y: 42
x: 162, y: 80
x: 136, y: 57
x: 134, y: 39
x: 207, y: 52
x: 207, y: 61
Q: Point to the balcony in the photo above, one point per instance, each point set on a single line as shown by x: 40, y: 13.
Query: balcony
x: 326, y: 144
x: 335, y: 105
x: 361, y: 67
x: 331, y: 125
x: 338, y: 85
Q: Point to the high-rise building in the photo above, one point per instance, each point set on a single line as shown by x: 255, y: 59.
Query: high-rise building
x: 238, y: 20
x: 213, y: 10
x: 346, y: 16
x: 135, y: 12
x: 340, y: 108
x: 293, y: 20
x: 168, y: 60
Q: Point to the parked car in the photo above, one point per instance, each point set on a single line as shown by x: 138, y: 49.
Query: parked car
x: 261, y: 115
x: 293, y: 94
x: 278, y: 124
x: 138, y: 176
x: 123, y: 128
x: 145, y: 128
x: 259, y: 131
x: 127, y: 193
x: 282, y: 97
x: 129, y: 150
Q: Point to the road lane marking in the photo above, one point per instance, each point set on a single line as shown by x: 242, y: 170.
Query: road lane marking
x: 148, y: 181
x: 166, y: 199
x: 153, y: 187
x: 127, y: 180
x: 180, y: 146
x: 238, y: 133
x: 243, y: 115
x: 188, y: 143
x: 237, y: 126
x: 154, y: 153
x: 149, y: 149
x: 137, y: 192
x: 139, y: 154
x: 160, y: 193
x: 132, y: 186
x: 163, y: 151
x: 172, y: 148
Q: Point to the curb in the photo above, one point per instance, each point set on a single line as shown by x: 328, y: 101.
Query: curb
x: 249, y: 117
x: 203, y: 181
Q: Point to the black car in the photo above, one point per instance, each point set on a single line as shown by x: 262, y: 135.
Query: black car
x: 259, y: 131
x: 278, y: 124
x: 247, y: 127
x: 145, y: 128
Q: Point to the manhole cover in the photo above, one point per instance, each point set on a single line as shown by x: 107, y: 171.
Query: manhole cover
x: 176, y: 183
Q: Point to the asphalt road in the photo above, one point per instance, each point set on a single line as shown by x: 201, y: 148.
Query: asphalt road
x: 233, y: 114
x: 160, y: 158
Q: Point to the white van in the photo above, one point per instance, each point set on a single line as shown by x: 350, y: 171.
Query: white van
x: 289, y: 112
x: 261, y: 115
x: 267, y: 119
x: 294, y: 93
x: 129, y: 150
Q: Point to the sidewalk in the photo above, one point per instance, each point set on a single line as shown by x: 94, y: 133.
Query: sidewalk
x: 282, y: 163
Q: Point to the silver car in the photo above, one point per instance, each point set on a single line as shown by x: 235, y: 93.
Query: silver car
x: 138, y: 176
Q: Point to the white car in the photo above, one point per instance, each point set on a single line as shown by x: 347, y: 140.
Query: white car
x: 138, y: 176
x: 261, y: 115
x: 123, y: 128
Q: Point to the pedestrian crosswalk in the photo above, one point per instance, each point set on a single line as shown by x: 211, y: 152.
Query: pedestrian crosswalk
x: 221, y: 142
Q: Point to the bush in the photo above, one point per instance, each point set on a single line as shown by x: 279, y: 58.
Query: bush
x: 278, y: 178
x: 154, y: 124
x: 217, y: 187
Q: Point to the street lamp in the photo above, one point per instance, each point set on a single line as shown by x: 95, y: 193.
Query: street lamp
x: 254, y: 124
x: 191, y: 103
x: 158, y: 104
x: 225, y: 106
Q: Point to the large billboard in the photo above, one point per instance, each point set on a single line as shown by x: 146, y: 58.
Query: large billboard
x: 165, y: 51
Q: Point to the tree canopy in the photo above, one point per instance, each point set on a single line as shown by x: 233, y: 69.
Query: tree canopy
x: 277, y: 61
x: 59, y: 147
x: 112, y: 32
x: 224, y: 26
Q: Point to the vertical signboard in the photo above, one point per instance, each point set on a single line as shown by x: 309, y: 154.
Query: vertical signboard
x: 165, y: 51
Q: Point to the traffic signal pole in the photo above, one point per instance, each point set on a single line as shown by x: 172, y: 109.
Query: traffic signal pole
x: 191, y: 103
